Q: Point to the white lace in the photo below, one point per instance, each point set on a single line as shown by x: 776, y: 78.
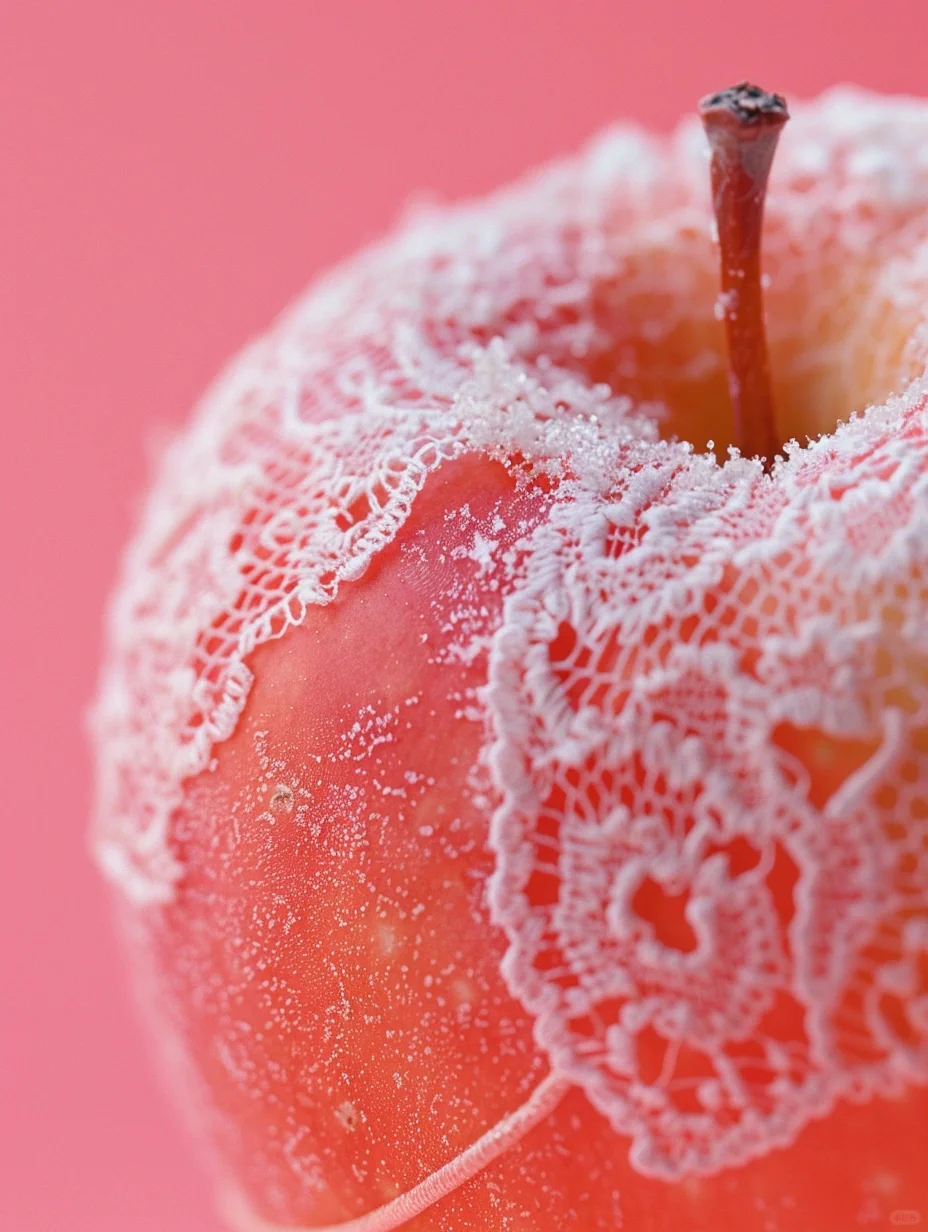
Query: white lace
x: 684, y: 640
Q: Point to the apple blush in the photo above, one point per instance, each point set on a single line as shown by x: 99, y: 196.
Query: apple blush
x: 513, y: 741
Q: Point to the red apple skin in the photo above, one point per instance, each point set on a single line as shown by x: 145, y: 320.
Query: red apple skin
x: 326, y: 976
x: 334, y: 974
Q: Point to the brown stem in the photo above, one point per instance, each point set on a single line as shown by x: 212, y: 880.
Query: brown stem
x: 743, y: 125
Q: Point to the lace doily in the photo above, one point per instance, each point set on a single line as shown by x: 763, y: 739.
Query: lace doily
x: 708, y: 697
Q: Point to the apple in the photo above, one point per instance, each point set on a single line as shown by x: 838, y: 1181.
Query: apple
x: 516, y: 789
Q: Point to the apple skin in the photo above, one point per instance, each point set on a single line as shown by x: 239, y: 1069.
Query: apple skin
x: 321, y: 797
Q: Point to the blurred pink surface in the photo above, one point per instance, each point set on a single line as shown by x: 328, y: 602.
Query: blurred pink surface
x: 170, y: 176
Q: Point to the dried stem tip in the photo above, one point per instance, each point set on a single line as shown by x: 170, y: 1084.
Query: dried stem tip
x: 743, y: 125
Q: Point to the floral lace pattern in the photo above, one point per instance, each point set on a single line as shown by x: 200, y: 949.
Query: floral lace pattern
x: 708, y: 697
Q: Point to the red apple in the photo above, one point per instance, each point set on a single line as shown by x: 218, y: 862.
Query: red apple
x: 519, y: 806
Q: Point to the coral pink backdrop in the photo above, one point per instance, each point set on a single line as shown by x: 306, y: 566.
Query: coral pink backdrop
x: 170, y: 175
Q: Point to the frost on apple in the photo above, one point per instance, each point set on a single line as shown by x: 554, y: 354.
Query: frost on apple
x: 703, y: 713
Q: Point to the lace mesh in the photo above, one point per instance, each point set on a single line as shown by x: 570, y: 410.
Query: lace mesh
x: 707, y: 699
x: 712, y: 858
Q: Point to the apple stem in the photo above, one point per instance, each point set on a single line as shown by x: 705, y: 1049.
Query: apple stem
x: 743, y: 125
x: 495, y: 1142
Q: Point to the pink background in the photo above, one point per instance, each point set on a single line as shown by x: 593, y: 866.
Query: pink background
x: 171, y: 174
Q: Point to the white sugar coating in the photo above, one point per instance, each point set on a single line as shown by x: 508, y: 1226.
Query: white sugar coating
x: 675, y: 620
